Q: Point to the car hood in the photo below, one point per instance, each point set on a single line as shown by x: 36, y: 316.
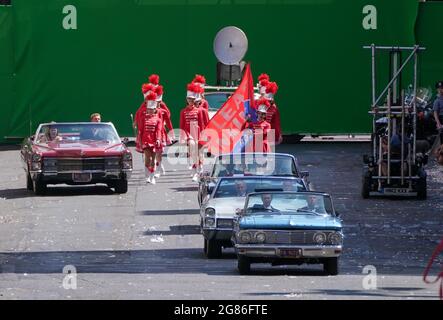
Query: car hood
x: 80, y: 149
x: 226, y: 207
x: 295, y: 221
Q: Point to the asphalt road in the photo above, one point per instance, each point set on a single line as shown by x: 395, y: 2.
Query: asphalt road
x: 146, y: 244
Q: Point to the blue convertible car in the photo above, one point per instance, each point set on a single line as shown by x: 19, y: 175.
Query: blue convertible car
x: 285, y: 228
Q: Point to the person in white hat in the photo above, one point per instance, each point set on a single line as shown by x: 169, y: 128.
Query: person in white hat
x: 146, y: 89
x: 263, y: 81
x: 273, y: 114
x: 150, y: 128
x: 260, y: 128
x: 201, y: 82
x: 193, y: 121
x: 164, y: 113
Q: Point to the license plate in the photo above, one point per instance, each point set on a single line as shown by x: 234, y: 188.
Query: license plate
x: 290, y: 253
x: 396, y: 190
x: 81, y: 177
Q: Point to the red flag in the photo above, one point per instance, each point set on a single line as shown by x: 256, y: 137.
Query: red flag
x: 222, y: 134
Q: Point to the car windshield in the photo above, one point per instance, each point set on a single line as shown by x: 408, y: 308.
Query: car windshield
x: 288, y: 203
x: 254, y: 165
x: 228, y: 188
x: 64, y: 132
x: 216, y: 99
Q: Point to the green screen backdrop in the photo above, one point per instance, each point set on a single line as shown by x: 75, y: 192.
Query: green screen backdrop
x: 311, y: 48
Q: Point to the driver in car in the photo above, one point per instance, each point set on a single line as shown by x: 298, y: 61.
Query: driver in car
x: 313, y: 205
x: 291, y: 186
x: 241, y: 188
x: 230, y: 170
x: 93, y: 133
x: 52, y: 135
x: 266, y: 206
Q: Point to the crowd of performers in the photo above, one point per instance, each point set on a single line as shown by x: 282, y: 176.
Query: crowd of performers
x: 155, y: 131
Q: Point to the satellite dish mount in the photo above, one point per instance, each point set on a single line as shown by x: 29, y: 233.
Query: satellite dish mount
x: 230, y: 46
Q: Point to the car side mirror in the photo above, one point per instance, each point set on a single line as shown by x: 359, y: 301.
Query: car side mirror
x: 239, y: 212
x: 337, y: 214
x: 304, y: 174
x: 125, y: 141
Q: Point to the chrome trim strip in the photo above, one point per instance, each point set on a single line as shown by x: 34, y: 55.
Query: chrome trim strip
x: 272, y: 251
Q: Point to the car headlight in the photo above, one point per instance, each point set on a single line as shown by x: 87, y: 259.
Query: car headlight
x: 245, y: 237
x: 319, y: 237
x: 127, y: 160
x: 127, y: 156
x: 210, y: 222
x: 36, y: 157
x: 36, y: 166
x: 36, y: 162
x: 210, y: 212
x: 260, y: 237
x: 336, y: 238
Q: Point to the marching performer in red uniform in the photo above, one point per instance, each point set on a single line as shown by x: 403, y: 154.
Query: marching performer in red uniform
x: 272, y: 114
x: 150, y: 129
x: 201, y: 81
x: 263, y: 81
x: 154, y: 79
x: 260, y: 128
x: 146, y: 89
x: 193, y: 121
x: 165, y: 115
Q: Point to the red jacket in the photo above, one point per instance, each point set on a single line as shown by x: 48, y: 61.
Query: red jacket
x: 137, y: 120
x: 205, y: 115
x: 260, y: 131
x: 192, y: 123
x: 150, y: 129
x: 168, y: 123
x: 273, y: 117
x: 204, y: 104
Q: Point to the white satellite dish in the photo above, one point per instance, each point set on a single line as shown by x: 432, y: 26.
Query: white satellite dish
x: 230, y: 45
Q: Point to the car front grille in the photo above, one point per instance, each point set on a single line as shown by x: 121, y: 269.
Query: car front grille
x: 225, y: 223
x: 305, y: 237
x: 81, y: 164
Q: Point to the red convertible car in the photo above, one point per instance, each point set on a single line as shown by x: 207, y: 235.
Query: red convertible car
x: 76, y: 154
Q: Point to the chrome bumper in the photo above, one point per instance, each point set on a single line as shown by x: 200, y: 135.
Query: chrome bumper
x: 272, y: 251
x: 101, y: 174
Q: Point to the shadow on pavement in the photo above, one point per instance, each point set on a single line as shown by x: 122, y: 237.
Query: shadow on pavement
x: 18, y: 193
x: 10, y: 147
x: 175, y: 231
x: 58, y: 191
x: 168, y: 212
x: 164, y: 261
x: 379, y: 293
x: 186, y: 189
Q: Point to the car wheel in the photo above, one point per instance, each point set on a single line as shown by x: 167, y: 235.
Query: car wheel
x: 39, y: 187
x: 330, y: 266
x: 121, y: 186
x: 213, y: 249
x: 29, y: 184
x: 366, y: 186
x: 244, y: 265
